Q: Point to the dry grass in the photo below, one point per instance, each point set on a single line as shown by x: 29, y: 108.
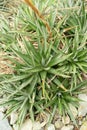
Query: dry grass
x: 11, y: 7
x: 4, y: 68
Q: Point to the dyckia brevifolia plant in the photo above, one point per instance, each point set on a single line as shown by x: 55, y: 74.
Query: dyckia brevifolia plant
x: 47, y: 70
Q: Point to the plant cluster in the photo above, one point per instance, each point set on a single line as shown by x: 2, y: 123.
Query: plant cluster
x: 48, y: 71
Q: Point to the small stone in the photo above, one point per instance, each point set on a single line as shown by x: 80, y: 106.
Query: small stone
x: 36, y: 125
x: 58, y: 124
x: 84, y: 126
x: 14, y: 117
x: 74, y: 110
x: 15, y: 127
x: 69, y: 127
x: 66, y: 120
x: 50, y: 127
x: 4, y: 125
x: 27, y: 125
x: 82, y: 110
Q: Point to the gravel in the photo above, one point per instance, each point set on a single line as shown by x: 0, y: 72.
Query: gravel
x: 4, y: 124
x: 59, y: 123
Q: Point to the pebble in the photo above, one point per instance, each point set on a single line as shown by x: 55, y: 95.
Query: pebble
x: 58, y: 124
x: 4, y: 125
x: 66, y: 120
x: 36, y: 125
x: 84, y: 126
x: 69, y: 127
x: 27, y: 125
x: 82, y: 110
x: 14, y: 117
x: 50, y: 127
x: 15, y: 127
